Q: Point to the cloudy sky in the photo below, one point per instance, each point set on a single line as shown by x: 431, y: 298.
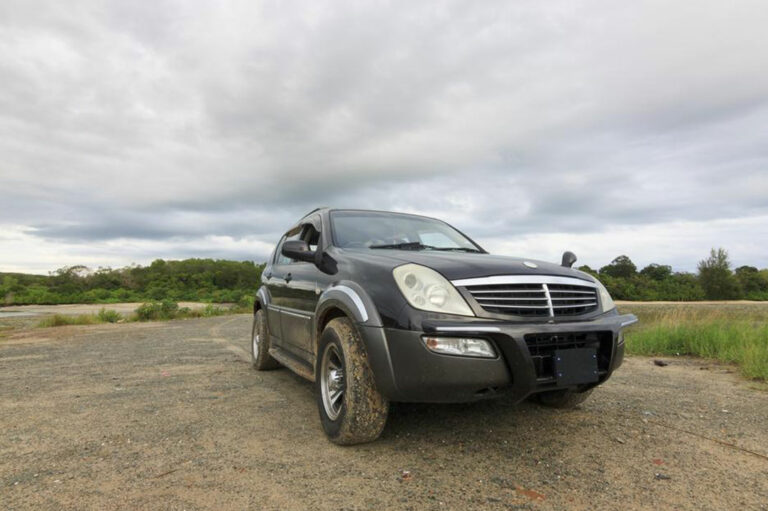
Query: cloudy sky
x: 131, y: 131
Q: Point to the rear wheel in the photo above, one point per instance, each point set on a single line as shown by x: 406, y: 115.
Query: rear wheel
x: 352, y: 410
x: 562, y: 398
x: 260, y: 356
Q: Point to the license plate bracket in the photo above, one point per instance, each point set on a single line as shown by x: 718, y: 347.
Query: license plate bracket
x: 576, y: 366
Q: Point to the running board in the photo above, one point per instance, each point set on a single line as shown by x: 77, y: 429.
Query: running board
x: 294, y: 364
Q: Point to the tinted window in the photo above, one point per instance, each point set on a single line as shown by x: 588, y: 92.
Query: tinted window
x: 281, y: 259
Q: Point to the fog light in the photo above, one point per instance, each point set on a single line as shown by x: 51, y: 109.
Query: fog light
x: 465, y: 347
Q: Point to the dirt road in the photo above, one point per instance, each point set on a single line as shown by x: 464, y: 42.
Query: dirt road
x: 171, y: 416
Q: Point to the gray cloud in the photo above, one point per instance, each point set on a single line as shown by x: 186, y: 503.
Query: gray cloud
x: 152, y: 126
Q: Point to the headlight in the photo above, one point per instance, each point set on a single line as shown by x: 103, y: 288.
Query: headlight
x: 427, y: 290
x: 605, y: 297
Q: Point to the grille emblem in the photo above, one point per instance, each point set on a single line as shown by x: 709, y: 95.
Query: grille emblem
x: 530, y: 264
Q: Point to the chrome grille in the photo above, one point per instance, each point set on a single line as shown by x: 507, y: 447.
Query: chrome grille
x: 572, y: 300
x: 532, y: 296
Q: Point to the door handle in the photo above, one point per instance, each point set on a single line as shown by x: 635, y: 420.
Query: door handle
x: 288, y: 277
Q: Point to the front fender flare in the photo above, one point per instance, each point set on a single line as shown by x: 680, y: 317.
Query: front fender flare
x: 358, y: 306
x: 352, y: 298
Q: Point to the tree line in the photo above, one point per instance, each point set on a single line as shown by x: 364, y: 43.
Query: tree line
x: 715, y: 280
x: 206, y: 280
x: 210, y: 280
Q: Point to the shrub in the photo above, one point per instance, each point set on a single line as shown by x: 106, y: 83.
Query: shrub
x: 169, y: 308
x: 246, y: 303
x: 212, y: 310
x: 109, y: 316
x: 62, y: 320
x: 157, y: 310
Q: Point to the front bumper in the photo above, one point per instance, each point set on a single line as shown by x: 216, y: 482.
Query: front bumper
x: 405, y: 370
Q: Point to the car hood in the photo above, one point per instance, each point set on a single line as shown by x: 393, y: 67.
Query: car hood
x: 466, y: 265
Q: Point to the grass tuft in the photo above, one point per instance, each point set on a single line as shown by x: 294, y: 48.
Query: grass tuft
x: 63, y: 320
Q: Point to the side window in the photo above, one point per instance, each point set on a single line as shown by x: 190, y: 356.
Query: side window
x: 306, y: 232
x: 276, y: 251
x: 311, y: 236
x: 281, y: 259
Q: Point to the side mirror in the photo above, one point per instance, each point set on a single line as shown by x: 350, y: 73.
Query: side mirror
x: 568, y: 259
x: 298, y: 250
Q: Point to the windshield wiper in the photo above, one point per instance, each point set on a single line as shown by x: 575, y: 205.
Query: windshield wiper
x: 456, y: 249
x: 411, y: 245
x: 416, y: 245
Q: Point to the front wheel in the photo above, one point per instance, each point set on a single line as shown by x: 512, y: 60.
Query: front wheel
x: 562, y: 398
x: 352, y: 410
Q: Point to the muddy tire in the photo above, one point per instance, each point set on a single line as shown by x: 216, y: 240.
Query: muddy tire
x: 562, y: 398
x: 352, y: 410
x: 260, y: 357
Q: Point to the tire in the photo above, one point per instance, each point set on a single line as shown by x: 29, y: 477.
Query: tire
x: 359, y: 413
x: 562, y: 398
x: 260, y: 357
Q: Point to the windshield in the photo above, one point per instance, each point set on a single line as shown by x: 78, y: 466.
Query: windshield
x: 374, y: 230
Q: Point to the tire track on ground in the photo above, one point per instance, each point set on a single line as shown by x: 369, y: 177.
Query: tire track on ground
x: 216, y: 336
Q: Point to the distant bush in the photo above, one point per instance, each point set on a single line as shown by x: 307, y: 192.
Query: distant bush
x: 150, y: 311
x: 63, y: 320
x: 212, y: 310
x: 109, y: 316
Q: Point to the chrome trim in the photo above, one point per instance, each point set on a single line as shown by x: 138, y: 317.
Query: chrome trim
x: 630, y: 322
x: 510, y: 291
x: 291, y: 312
x: 574, y: 305
x: 549, y: 301
x: 355, y: 299
x: 468, y: 329
x: 541, y: 281
x: 523, y: 279
x: 300, y: 315
x: 547, y: 306
x: 502, y: 298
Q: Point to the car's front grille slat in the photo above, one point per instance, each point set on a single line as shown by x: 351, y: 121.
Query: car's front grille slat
x: 552, y: 297
x: 579, y: 305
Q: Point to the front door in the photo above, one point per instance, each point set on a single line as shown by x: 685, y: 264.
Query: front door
x: 297, y: 298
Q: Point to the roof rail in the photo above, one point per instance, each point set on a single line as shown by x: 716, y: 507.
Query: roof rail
x: 316, y: 209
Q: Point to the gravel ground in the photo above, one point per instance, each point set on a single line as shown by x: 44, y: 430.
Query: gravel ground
x: 171, y: 416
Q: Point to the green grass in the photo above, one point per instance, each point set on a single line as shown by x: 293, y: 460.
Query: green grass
x: 731, y: 333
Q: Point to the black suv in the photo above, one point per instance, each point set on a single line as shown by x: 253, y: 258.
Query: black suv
x: 376, y: 307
